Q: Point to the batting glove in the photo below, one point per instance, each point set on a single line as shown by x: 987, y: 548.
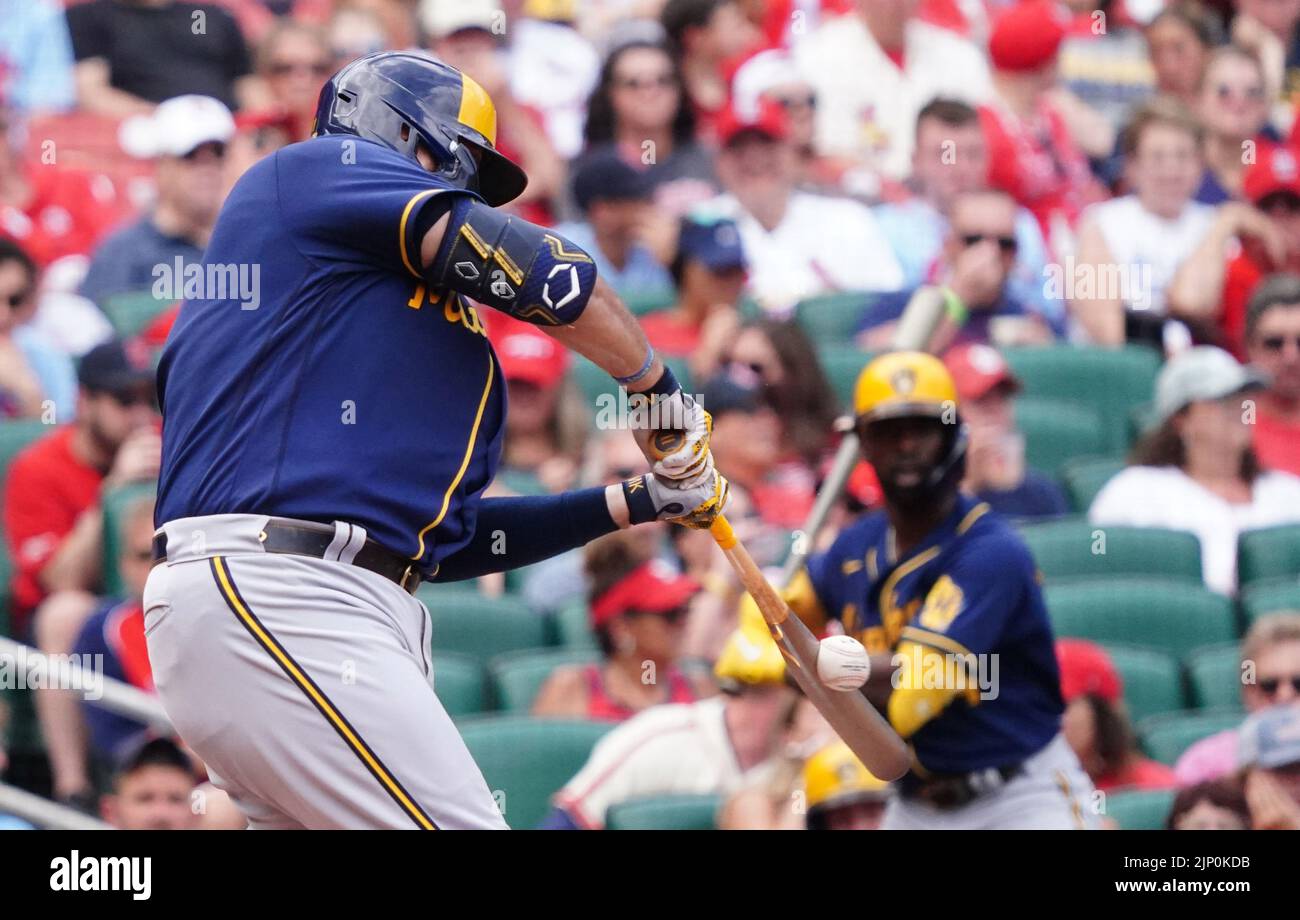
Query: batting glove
x: 650, y: 499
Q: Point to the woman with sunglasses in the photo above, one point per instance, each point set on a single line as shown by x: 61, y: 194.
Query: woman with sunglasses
x: 1271, y: 649
x: 33, y: 373
x: 638, y: 613
x: 1233, y: 106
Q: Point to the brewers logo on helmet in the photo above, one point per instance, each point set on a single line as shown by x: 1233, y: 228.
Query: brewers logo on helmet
x: 835, y: 778
x: 404, y: 98
x: 904, y: 383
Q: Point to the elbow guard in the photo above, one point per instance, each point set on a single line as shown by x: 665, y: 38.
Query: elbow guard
x: 504, y: 262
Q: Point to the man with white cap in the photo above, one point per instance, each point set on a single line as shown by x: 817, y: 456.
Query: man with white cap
x: 186, y: 138
x: 1195, y: 469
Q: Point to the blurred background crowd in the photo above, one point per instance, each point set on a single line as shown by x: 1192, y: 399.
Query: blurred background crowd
x: 1110, y: 192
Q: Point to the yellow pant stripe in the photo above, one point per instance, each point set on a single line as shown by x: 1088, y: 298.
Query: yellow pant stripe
x: 309, y: 688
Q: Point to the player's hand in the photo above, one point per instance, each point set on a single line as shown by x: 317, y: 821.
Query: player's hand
x: 137, y: 460
x: 676, y: 440
x: 696, y: 506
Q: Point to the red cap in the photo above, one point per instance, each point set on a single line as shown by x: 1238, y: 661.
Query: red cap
x: 1086, y: 668
x: 654, y: 587
x: 527, y: 354
x: 977, y: 368
x: 1026, y: 37
x: 768, y: 119
x: 1274, y: 170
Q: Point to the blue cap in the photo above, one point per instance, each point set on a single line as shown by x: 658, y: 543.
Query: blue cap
x: 716, y: 243
x: 1270, y: 738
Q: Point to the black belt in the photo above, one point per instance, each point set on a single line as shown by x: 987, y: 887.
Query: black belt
x: 303, y: 538
x: 953, y: 790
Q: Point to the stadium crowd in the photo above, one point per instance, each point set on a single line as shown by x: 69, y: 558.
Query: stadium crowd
x: 1106, y: 191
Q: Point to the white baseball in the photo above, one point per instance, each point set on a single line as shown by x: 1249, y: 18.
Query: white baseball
x: 842, y: 663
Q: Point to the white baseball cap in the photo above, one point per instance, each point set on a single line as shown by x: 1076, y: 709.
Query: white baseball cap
x: 176, y: 127
x: 1201, y: 373
x: 760, y: 74
x: 441, y: 18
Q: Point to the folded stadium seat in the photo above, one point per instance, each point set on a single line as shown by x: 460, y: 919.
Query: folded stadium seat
x: 481, y: 627
x: 1161, y: 613
x: 1139, y: 809
x: 1057, y: 431
x: 593, y: 382
x: 573, y: 626
x: 665, y: 813
x: 1268, y: 553
x: 1069, y: 548
x: 651, y: 302
x: 130, y: 313
x: 842, y: 364
x: 1166, y: 736
x: 460, y: 683
x: 832, y: 319
x: 15, y: 435
x: 1215, y: 675
x: 518, y: 676
x: 1110, y: 380
x: 115, y: 505
x: 1084, y: 477
x: 1264, y: 597
x: 526, y: 761
x: 1153, y: 682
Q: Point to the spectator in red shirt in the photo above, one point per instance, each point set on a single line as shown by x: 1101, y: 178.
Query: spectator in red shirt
x: 54, y: 525
x: 709, y: 37
x: 1032, y: 154
x: 1273, y: 346
x: 1096, y: 724
x: 1246, y: 243
x: 709, y: 273
x: 638, y: 611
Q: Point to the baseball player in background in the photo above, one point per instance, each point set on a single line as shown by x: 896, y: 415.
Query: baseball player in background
x: 946, y: 599
x: 327, y: 447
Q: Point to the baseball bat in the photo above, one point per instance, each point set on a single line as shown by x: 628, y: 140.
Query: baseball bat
x: 924, y: 325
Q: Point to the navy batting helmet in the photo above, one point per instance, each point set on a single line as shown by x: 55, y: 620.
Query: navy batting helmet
x: 402, y: 98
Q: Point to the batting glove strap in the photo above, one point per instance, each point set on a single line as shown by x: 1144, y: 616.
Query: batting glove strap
x: 648, y: 499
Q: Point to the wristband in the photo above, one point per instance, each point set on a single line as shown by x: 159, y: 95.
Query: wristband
x: 955, y: 309
x: 645, y: 369
x: 665, y: 386
x: 640, y: 506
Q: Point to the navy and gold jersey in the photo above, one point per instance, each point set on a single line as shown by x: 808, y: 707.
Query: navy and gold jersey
x: 347, y: 390
x: 970, y: 588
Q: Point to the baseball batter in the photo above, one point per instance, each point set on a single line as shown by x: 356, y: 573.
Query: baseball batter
x: 944, y: 592
x: 326, y: 451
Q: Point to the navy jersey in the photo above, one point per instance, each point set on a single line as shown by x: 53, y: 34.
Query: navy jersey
x: 969, y: 588
x: 347, y: 390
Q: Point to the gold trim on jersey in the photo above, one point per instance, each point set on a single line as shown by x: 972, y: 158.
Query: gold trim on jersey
x: 300, y: 678
x: 401, y: 231
x: 972, y: 516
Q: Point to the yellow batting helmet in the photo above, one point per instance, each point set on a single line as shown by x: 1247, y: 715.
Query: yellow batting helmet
x: 903, y: 383
x: 750, y: 655
x: 834, y: 777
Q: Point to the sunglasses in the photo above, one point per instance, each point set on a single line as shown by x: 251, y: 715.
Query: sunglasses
x: 663, y: 81
x: 1280, y: 203
x: 1278, y: 342
x: 284, y: 68
x: 1269, y: 686
x: 797, y: 102
x: 1007, y: 244
x: 216, y: 148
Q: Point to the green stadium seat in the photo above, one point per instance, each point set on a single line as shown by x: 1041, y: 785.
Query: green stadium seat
x: 16, y: 435
x: 1084, y: 477
x: 1215, y: 676
x: 832, y: 319
x: 1139, y: 809
x: 1110, y: 380
x: 1268, y: 553
x: 130, y: 313
x: 649, y: 302
x: 1264, y: 597
x: 573, y: 626
x: 1153, y: 682
x: 526, y: 761
x: 115, y: 506
x: 518, y: 676
x: 1161, y: 613
x: 842, y: 364
x: 1065, y: 549
x: 482, y: 626
x: 1166, y: 736
x: 460, y: 684
x: 665, y: 813
x: 1056, y: 431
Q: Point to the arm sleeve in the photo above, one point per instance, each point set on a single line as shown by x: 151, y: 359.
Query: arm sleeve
x: 352, y: 203
x: 514, y: 532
